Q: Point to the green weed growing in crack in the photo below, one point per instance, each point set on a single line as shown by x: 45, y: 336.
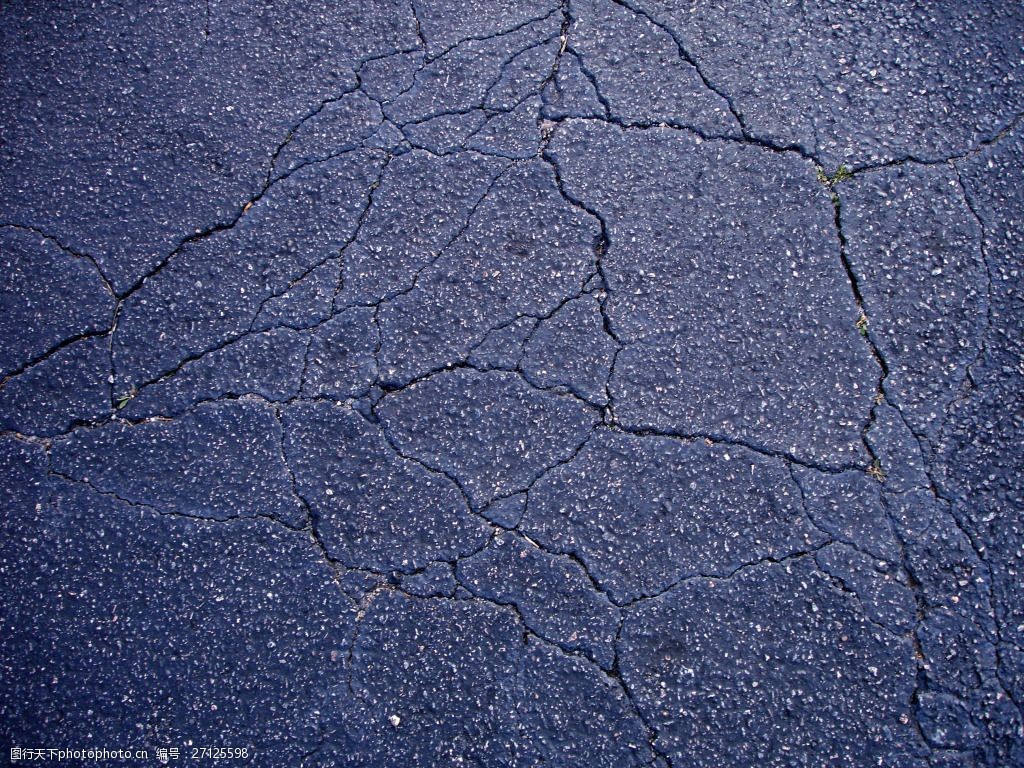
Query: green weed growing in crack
x: 862, y: 324
x: 123, y: 400
x: 876, y: 472
x: 842, y: 173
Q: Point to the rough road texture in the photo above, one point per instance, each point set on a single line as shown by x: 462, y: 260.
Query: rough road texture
x: 606, y: 383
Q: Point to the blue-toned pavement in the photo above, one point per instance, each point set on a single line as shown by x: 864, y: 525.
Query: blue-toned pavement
x: 417, y: 383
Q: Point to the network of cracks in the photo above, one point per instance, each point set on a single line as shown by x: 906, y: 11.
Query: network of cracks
x: 546, y: 404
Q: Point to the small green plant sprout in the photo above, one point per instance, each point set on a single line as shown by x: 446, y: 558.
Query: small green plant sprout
x: 862, y: 324
x: 842, y: 173
x: 123, y: 400
x: 876, y: 472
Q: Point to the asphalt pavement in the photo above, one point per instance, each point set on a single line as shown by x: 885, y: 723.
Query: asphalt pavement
x: 604, y: 383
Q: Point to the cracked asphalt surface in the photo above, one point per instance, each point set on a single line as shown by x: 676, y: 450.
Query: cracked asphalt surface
x: 606, y: 383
